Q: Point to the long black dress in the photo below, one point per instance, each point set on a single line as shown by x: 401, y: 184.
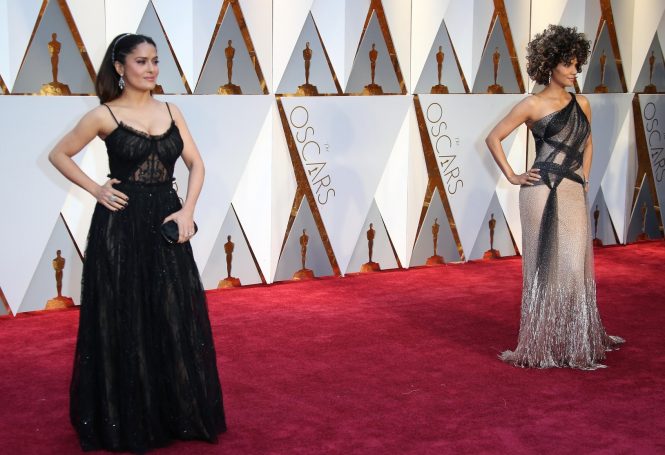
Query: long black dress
x: 145, y: 368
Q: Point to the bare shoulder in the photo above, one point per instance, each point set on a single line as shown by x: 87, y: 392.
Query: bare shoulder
x: 98, y: 119
x: 529, y: 107
x: 583, y: 101
x: 175, y: 111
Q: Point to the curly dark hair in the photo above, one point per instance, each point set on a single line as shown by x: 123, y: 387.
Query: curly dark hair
x: 556, y: 44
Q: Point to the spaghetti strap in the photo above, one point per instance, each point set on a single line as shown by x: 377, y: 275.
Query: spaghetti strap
x: 169, y: 108
x: 111, y: 112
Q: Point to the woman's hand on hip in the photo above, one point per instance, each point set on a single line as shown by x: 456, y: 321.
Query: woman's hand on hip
x: 530, y: 176
x: 111, y: 198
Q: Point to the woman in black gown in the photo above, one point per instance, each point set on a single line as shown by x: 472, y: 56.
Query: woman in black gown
x: 560, y: 325
x: 145, y: 367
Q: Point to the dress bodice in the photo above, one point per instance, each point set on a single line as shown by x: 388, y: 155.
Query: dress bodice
x: 138, y: 157
x: 561, y: 136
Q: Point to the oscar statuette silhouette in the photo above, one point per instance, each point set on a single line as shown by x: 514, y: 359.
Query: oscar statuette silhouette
x: 495, y: 88
x: 643, y: 235
x: 439, y: 88
x: 304, y: 273
x: 229, y: 281
x: 602, y: 88
x: 650, y: 87
x: 492, y: 253
x: 373, y: 88
x: 60, y: 301
x: 307, y: 89
x: 55, y: 87
x: 435, y: 259
x: 370, y: 266
x: 229, y: 88
x: 596, y: 216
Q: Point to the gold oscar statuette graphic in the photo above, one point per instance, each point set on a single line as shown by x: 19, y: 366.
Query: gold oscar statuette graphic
x: 496, y: 58
x: 643, y: 235
x: 229, y: 88
x: 492, y: 253
x: 596, y: 240
x: 373, y: 88
x: 602, y: 88
x: 229, y: 281
x: 304, y: 273
x: 307, y: 89
x: 55, y: 87
x: 59, y: 301
x: 435, y: 259
x: 650, y: 87
x: 370, y: 266
x: 439, y: 88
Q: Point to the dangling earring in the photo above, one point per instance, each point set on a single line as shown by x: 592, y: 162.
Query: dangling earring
x: 549, y: 78
x: 121, y: 83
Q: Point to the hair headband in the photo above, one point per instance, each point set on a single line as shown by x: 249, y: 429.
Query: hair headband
x: 115, y: 44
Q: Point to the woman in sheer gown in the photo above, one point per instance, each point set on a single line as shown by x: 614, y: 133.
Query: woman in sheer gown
x: 145, y: 368
x: 559, y: 325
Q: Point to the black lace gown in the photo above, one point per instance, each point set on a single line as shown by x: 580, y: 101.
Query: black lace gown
x: 145, y: 368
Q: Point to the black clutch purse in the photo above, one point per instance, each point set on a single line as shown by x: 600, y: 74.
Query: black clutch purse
x: 169, y: 231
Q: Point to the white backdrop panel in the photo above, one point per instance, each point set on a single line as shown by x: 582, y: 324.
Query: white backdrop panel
x: 344, y: 144
x: 653, y: 118
x: 457, y: 126
x: 225, y: 141
x: 30, y: 128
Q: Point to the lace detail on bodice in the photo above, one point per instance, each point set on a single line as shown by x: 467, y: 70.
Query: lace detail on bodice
x: 151, y: 171
x: 138, y: 157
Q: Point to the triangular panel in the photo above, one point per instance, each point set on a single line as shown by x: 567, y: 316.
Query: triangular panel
x: 496, y: 69
x: 171, y: 77
x: 56, y: 61
x: 652, y: 75
x: 229, y: 61
x: 373, y: 231
x: 603, y: 72
x: 373, y: 52
x: 441, y: 66
x: 643, y: 220
x: 318, y: 72
x: 316, y: 258
x: 494, y: 231
x: 5, y: 309
x: 435, y: 225
x: 239, y: 255
x: 43, y: 287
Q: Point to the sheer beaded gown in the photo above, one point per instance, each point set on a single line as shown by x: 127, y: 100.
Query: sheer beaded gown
x: 559, y: 325
x: 145, y: 368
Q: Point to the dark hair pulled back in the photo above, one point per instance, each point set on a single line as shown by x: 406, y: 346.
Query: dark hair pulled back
x: 106, y: 85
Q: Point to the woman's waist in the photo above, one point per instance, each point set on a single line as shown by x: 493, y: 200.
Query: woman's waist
x: 145, y: 187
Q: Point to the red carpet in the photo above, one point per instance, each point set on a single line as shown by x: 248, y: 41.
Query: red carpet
x: 401, y: 362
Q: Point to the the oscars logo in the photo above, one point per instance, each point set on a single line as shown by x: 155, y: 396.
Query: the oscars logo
x: 435, y: 259
x: 229, y: 88
x: 229, y: 281
x: 602, y: 88
x: 59, y: 301
x: 373, y: 88
x: 370, y: 266
x: 596, y: 216
x: 495, y: 88
x: 304, y: 273
x: 439, y: 88
x: 307, y: 89
x: 54, y: 87
x: 492, y: 253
